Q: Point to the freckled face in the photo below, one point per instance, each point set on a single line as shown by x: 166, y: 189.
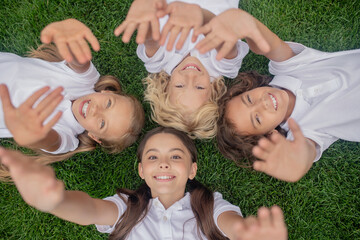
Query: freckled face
x: 166, y: 165
x: 259, y: 110
x: 190, y: 84
x: 105, y: 115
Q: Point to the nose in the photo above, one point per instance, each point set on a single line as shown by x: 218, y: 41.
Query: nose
x: 94, y: 109
x: 164, y: 164
x: 265, y: 101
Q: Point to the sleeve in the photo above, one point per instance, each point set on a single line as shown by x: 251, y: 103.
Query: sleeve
x: 89, y: 77
x: 230, y: 67
x: 155, y: 63
x: 220, y: 206
x: 69, y: 142
x: 304, y: 56
x: 322, y: 141
x: 121, y: 205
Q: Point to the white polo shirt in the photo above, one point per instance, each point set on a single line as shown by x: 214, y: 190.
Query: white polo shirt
x: 327, y: 90
x: 175, y: 223
x: 168, y: 60
x: 24, y: 76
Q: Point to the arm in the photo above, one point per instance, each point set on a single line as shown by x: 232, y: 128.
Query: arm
x: 223, y: 31
x: 39, y: 188
x: 26, y: 123
x: 71, y: 37
x: 268, y: 225
x: 283, y: 159
x: 182, y: 18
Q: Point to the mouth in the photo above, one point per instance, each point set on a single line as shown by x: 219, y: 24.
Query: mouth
x: 83, y: 108
x: 191, y: 66
x: 164, y: 178
x: 274, y: 101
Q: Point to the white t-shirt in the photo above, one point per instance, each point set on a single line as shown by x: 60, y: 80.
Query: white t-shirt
x: 23, y: 76
x: 168, y: 60
x: 176, y: 223
x: 327, y: 90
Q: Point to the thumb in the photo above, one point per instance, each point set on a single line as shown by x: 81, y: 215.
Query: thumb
x: 8, y: 158
x: 5, y: 98
x: 45, y: 35
x: 295, y: 129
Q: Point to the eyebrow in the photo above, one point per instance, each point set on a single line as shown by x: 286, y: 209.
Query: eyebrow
x: 171, y: 150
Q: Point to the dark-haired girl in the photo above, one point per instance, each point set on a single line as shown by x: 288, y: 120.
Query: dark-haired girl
x: 159, y: 209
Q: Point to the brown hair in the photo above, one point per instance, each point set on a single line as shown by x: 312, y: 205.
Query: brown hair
x: 201, y: 198
x: 231, y: 144
x: 49, y: 52
x: 199, y: 124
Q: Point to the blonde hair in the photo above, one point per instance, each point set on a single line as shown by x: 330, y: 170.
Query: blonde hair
x: 199, y: 124
x: 48, y: 52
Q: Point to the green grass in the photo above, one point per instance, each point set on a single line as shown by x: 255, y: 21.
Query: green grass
x: 323, y: 205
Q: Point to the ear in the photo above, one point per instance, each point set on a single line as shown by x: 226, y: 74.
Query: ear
x: 271, y: 132
x: 140, y: 170
x: 93, y: 137
x: 193, y: 171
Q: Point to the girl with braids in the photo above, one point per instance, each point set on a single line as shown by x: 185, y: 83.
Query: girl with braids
x: 183, y: 86
x: 92, y: 109
x: 159, y: 209
x: 318, y: 90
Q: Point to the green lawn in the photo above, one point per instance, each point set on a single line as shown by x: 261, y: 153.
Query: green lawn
x: 323, y: 205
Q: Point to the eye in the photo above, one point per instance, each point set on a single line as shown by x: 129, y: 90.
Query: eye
x: 152, y: 157
x: 257, y: 119
x: 200, y: 88
x: 175, y: 157
x: 102, y: 125
x: 108, y: 104
x: 248, y: 98
x: 179, y: 85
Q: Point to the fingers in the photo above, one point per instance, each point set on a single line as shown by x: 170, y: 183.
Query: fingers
x: 202, y: 30
x: 47, y: 109
x: 208, y: 43
x: 64, y: 50
x: 278, y: 216
x: 141, y: 33
x: 90, y: 37
x: 295, y: 129
x: 76, y: 51
x: 11, y: 159
x: 155, y: 29
x: 260, y: 41
x: 128, y: 32
x: 5, y: 98
x: 264, y: 215
x: 46, y: 35
x: 164, y: 33
x: 263, y: 149
x: 225, y: 49
x: 120, y: 29
x: 52, y: 122
x: 183, y: 37
x: 34, y: 97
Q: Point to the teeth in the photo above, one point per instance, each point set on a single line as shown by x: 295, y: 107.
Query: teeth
x: 273, y: 101
x: 84, y: 108
x: 163, y: 177
x: 192, y: 67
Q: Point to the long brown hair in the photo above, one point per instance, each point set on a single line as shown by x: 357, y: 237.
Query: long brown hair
x: 231, y: 144
x: 201, y: 198
x: 49, y: 52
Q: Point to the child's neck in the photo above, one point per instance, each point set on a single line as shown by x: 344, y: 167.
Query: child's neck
x: 167, y: 200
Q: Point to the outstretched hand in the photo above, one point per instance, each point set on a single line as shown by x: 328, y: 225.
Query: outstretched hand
x: 268, y: 225
x: 35, y: 182
x: 26, y: 123
x: 283, y: 159
x: 71, y: 37
x: 224, y: 30
x: 142, y: 16
x: 182, y: 18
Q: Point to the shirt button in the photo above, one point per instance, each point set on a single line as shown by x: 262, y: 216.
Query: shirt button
x: 164, y: 218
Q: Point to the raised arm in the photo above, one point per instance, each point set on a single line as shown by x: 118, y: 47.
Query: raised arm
x: 71, y: 38
x: 26, y: 123
x: 269, y: 225
x: 182, y: 18
x: 142, y: 16
x: 40, y: 189
x: 284, y: 159
x: 224, y: 30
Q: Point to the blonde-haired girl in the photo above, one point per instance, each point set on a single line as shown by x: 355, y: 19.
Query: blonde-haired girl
x: 91, y: 110
x: 159, y: 209
x: 189, y: 83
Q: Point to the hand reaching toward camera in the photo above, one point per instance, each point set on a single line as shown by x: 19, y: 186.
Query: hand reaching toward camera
x: 36, y: 183
x: 71, y: 38
x: 283, y: 159
x: 26, y: 123
x: 142, y: 16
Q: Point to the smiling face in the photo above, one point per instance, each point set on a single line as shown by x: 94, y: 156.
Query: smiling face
x: 104, y: 115
x: 190, y: 84
x: 166, y: 165
x: 260, y: 110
